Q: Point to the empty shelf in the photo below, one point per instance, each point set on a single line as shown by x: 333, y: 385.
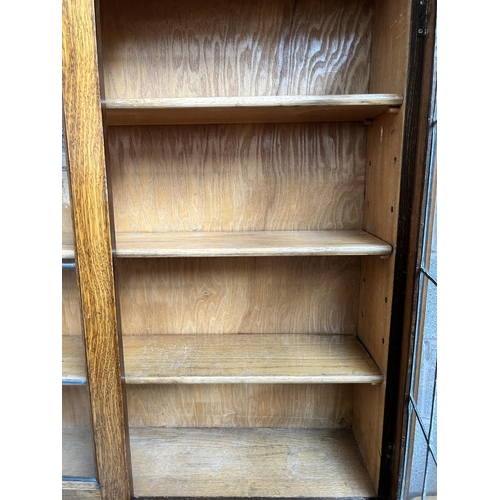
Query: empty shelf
x: 248, y: 244
x: 247, y: 358
x: 239, y: 462
x: 265, y: 109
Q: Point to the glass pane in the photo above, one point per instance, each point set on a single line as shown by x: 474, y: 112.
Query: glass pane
x: 431, y: 479
x: 416, y: 460
x: 77, y: 444
x: 426, y: 362
x: 433, y: 439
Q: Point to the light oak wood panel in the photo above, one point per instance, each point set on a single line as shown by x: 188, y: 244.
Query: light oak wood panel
x: 80, y: 490
x: 384, y: 150
x: 240, y: 405
x: 245, y: 48
x: 239, y: 295
x: 77, y: 452
x: 73, y: 360
x: 71, y: 315
x: 246, y: 243
x: 267, y: 109
x: 75, y: 405
x: 237, y: 177
x: 248, y: 463
x: 237, y: 359
x: 253, y: 358
x: 93, y: 252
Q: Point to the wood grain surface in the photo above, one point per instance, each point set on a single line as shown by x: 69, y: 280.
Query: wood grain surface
x: 239, y: 295
x: 93, y: 252
x: 246, y: 48
x: 248, y: 463
x: 237, y: 177
x: 253, y: 358
x: 391, y: 32
x: 266, y: 109
x: 240, y: 405
x: 80, y: 490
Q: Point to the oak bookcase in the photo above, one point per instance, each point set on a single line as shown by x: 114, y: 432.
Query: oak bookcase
x: 235, y: 170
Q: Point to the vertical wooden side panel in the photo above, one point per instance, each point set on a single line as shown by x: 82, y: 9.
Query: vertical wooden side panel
x: 384, y: 151
x: 93, y: 250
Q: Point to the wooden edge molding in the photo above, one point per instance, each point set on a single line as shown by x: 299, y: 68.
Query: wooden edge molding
x: 93, y: 250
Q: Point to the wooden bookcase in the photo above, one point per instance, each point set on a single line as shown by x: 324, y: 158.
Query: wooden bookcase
x: 235, y: 170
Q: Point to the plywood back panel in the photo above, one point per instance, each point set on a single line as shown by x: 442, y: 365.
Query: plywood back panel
x: 240, y: 405
x: 194, y: 48
x: 237, y: 177
x: 239, y: 295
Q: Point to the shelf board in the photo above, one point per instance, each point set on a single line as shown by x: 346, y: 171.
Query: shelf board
x: 234, y: 359
x: 73, y: 360
x: 265, y: 109
x: 247, y: 359
x: 246, y: 244
x: 238, y: 462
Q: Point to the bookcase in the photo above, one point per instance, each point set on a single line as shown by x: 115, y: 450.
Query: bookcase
x: 235, y: 170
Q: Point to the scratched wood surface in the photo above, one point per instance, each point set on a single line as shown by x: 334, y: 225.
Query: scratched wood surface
x: 194, y: 48
x: 252, y: 358
x: 248, y: 463
x: 239, y: 295
x: 237, y: 177
x: 266, y: 109
x: 240, y: 405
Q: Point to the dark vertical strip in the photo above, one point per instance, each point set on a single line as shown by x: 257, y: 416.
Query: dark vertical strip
x: 391, y: 432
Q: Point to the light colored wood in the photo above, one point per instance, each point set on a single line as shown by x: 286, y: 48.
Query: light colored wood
x: 267, y: 109
x: 73, y: 360
x: 77, y: 452
x: 391, y: 31
x: 239, y: 295
x: 80, y: 490
x: 248, y: 463
x: 247, y: 359
x: 75, y: 406
x: 247, y: 244
x: 315, y: 406
x: 234, y: 359
x: 93, y: 254
x: 71, y: 315
x: 257, y: 177
x: 221, y: 48
x: 256, y: 243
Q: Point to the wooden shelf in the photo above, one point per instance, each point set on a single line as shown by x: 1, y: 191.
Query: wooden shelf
x: 234, y: 359
x: 77, y: 452
x: 266, y: 109
x: 238, y: 462
x: 249, y: 244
